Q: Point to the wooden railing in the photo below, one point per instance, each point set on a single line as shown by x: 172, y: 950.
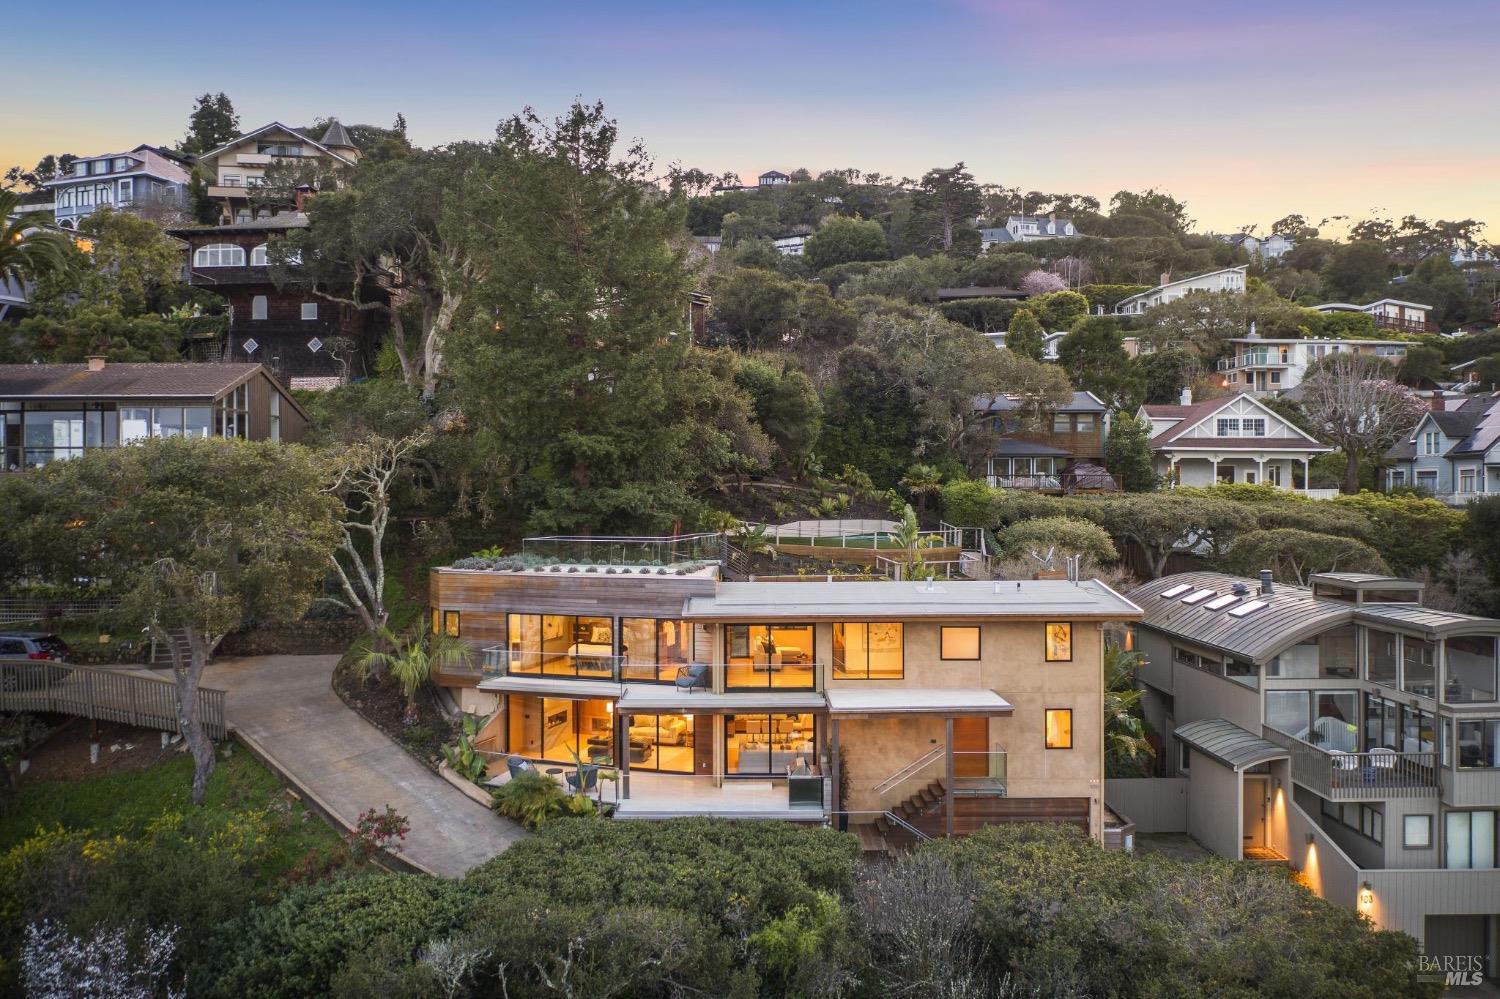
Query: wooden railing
x: 1378, y: 774
x: 39, y: 685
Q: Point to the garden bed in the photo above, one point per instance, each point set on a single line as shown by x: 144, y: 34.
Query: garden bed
x: 381, y: 703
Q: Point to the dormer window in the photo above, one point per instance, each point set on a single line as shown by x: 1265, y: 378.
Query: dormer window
x: 219, y: 255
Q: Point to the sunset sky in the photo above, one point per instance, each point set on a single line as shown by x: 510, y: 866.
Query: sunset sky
x: 1245, y: 111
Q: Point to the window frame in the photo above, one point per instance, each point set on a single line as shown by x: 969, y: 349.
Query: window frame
x: 202, y: 254
x: 943, y: 629
x: 1406, y: 830
x: 849, y: 674
x: 1047, y: 641
x: 1047, y: 727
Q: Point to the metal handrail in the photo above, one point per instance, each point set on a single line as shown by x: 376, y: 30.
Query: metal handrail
x: 909, y: 769
x: 889, y: 816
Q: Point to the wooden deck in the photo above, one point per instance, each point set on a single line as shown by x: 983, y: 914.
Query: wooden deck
x: 127, y: 696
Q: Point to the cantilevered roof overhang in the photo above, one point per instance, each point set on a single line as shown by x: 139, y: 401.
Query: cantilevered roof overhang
x: 560, y: 687
x: 948, y: 702
x: 1229, y: 744
x: 650, y: 698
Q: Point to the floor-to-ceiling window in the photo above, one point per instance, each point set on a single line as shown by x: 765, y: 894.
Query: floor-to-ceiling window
x: 761, y: 656
x: 561, y: 645
x: 1418, y: 666
x: 663, y: 742
x: 1469, y: 840
x: 559, y: 730
x: 1382, y: 650
x: 770, y: 744
x: 653, y: 650
x: 1470, y: 676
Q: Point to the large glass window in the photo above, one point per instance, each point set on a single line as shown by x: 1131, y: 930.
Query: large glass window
x: 197, y: 421
x: 1418, y: 731
x: 1286, y: 711
x: 166, y: 421
x: 561, y: 645
x: 559, y: 730
x: 762, y: 656
x: 219, y: 255
x: 1479, y: 744
x: 1469, y: 843
x: 773, y: 744
x: 662, y: 742
x: 1418, y: 666
x: 1330, y: 655
x: 1470, y: 676
x: 869, y: 651
x: 1382, y: 723
x: 52, y: 436
x: 653, y: 650
x: 1382, y: 651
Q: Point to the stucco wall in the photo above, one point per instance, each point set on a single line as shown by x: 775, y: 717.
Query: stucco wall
x: 1214, y: 807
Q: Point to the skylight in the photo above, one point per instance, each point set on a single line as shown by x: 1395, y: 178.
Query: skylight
x: 1219, y: 603
x: 1176, y: 591
x: 1197, y: 597
x: 1247, y: 609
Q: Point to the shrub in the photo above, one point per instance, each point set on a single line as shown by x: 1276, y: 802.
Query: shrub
x: 1412, y: 532
x: 295, y: 946
x: 534, y: 800
x: 1294, y: 554
x: 969, y: 503
x: 1067, y: 536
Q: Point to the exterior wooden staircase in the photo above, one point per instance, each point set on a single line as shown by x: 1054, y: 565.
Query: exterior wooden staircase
x: 902, y: 827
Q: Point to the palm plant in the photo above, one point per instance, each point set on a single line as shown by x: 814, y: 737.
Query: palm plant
x: 923, y: 482
x: 28, y: 251
x: 412, y: 659
x: 909, y: 537
x: 1125, y: 744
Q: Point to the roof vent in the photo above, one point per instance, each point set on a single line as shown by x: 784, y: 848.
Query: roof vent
x: 1266, y: 587
x: 96, y: 362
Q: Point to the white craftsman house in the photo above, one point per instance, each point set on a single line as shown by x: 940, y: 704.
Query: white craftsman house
x: 1026, y: 228
x: 1236, y: 438
x: 1453, y: 452
x: 1229, y: 280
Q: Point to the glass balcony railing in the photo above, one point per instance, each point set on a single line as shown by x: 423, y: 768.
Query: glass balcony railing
x: 499, y: 661
x: 669, y: 550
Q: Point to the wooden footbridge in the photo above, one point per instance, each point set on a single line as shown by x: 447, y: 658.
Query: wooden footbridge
x: 130, y: 697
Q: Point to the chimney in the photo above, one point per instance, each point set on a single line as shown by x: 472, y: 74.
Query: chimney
x: 96, y: 362
x: 1187, y: 396
x: 1266, y: 589
x: 302, y: 196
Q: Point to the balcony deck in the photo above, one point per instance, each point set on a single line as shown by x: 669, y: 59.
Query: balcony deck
x: 1373, y: 776
x: 664, y: 796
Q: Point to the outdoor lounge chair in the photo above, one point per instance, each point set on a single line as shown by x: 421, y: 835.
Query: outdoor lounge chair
x: 692, y: 676
x: 589, y: 779
x: 518, y: 765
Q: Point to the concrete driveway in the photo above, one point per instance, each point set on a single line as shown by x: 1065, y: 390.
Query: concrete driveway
x: 284, y: 707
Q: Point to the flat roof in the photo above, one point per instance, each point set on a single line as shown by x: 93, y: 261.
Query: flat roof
x: 916, y: 700
x: 1229, y: 744
x: 1030, y: 599
x: 650, y: 697
x: 553, y: 687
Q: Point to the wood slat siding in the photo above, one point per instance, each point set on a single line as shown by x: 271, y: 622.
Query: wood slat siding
x: 1469, y: 788
x: 1405, y: 898
x: 1154, y: 804
x: 106, y: 695
x: 490, y: 595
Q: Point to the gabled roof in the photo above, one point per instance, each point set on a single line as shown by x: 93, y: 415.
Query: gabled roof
x: 1189, y: 417
x: 121, y: 380
x: 212, y: 153
x: 1229, y: 744
x: 1242, y: 268
x: 151, y: 161
x: 774, y: 173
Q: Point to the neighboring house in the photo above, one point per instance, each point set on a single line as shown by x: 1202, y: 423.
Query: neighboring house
x: 52, y: 412
x: 978, y: 291
x: 1471, y: 253
x: 949, y: 703
x: 1272, y: 247
x: 1235, y: 438
x: 238, y: 166
x: 1269, y: 367
x: 1340, y: 728
x: 793, y: 243
x: 1452, y: 453
x: 772, y: 178
x: 712, y: 244
x: 1230, y: 280
x: 1026, y: 228
x: 307, y: 340
x: 13, y: 301
x: 1389, y: 313
x: 1042, y: 457
x: 144, y: 176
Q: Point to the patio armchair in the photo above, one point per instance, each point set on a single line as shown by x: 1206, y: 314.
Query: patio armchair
x: 693, y: 676
x: 584, y: 779
x: 517, y: 765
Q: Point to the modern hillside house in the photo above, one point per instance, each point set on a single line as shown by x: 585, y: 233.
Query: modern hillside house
x: 52, y: 412
x: 1341, y: 728
x: 940, y: 705
x: 1270, y: 367
x: 234, y: 170
x: 146, y: 177
x: 1229, y: 280
x: 1389, y: 314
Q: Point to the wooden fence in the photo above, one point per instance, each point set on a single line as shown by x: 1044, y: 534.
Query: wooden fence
x: 39, y: 685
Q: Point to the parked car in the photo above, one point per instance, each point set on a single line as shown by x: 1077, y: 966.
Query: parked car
x: 36, y: 647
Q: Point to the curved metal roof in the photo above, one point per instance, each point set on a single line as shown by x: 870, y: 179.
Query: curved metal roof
x: 1290, y: 614
x: 1437, y: 623
x: 1229, y: 744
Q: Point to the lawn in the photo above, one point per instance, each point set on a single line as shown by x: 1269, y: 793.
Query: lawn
x: 125, y: 804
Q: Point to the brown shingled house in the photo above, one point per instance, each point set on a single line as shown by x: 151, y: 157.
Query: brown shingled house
x: 51, y: 412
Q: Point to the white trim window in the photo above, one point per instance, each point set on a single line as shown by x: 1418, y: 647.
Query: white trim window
x: 258, y: 307
x: 127, y: 191
x: 1466, y: 480
x: 258, y: 256
x: 219, y: 255
x: 309, y: 310
x: 1432, y: 442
